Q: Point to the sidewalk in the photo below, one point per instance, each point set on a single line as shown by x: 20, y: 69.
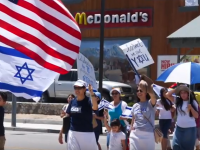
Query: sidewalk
x: 35, y: 123
x: 39, y: 123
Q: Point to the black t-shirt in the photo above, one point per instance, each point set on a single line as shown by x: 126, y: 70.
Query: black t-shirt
x: 2, y: 130
x: 80, y: 115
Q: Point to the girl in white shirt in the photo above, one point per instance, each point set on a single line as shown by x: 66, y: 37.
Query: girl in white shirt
x: 165, y: 117
x: 117, y: 137
x: 187, y: 110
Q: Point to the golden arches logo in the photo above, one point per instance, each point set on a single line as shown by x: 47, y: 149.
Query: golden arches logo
x: 81, y: 18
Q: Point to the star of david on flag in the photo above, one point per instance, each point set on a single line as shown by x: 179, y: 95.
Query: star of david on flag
x: 21, y: 75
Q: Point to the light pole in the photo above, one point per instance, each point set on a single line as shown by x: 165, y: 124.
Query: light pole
x: 101, y: 54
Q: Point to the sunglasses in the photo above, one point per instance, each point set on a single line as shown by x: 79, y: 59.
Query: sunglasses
x: 78, y: 88
x: 140, y: 91
x: 115, y: 93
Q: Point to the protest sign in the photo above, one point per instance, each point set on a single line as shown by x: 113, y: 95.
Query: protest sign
x: 137, y: 54
x: 86, y: 71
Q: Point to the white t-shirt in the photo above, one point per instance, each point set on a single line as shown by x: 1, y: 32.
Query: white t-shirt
x: 184, y: 120
x: 164, y: 114
x: 115, y: 140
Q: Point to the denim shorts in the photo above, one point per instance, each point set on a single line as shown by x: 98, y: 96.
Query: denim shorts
x: 164, y: 125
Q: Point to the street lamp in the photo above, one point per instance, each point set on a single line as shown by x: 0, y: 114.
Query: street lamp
x: 101, y: 54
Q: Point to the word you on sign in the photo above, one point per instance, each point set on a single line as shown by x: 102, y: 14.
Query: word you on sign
x: 86, y: 71
x: 137, y: 54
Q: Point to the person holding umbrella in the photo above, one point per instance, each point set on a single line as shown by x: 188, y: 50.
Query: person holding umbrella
x: 187, y: 110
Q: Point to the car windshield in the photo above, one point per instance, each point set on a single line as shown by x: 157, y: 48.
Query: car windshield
x: 97, y: 77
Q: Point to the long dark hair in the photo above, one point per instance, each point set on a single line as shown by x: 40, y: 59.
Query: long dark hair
x: 179, y: 104
x: 72, y: 95
x: 167, y: 104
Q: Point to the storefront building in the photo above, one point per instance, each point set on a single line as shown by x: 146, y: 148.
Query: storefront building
x: 150, y: 20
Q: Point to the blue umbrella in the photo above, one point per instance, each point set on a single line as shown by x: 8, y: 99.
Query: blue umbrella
x: 188, y: 73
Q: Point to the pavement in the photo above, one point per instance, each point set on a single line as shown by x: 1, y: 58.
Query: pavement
x: 20, y: 140
x: 39, y: 123
x: 35, y: 123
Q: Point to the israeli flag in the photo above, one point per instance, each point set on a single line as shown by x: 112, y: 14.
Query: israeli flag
x: 127, y: 113
x: 157, y: 89
x: 104, y: 104
x: 21, y: 75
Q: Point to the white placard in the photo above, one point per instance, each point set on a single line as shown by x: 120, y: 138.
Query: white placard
x: 137, y: 53
x: 86, y: 71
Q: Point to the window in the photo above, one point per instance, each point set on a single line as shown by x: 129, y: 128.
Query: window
x: 188, y: 5
x: 71, y: 76
x: 191, y: 3
x: 115, y: 64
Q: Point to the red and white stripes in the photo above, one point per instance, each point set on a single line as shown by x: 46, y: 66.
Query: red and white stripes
x: 44, y: 30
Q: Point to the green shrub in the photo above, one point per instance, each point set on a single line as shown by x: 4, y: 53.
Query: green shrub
x: 131, y: 104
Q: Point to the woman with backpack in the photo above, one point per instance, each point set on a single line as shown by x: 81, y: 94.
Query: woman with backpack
x: 166, y: 108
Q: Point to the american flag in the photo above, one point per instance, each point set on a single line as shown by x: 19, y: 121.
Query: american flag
x: 44, y: 30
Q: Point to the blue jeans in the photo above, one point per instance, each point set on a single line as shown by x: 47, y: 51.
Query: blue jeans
x: 184, y: 138
x: 124, y: 130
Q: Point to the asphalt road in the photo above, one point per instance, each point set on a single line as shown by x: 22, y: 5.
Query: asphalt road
x: 39, y: 141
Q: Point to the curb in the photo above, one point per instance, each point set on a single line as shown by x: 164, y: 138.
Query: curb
x: 36, y: 130
x: 32, y: 130
x: 36, y: 121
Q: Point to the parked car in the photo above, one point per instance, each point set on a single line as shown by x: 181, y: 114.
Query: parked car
x: 63, y: 86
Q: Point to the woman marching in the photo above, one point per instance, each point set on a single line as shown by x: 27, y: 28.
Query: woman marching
x: 116, y: 112
x: 99, y: 118
x: 81, y: 135
x: 65, y: 120
x: 142, y: 133
x: 165, y: 116
x: 187, y: 110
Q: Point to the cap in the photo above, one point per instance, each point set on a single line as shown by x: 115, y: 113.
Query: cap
x: 115, y: 89
x: 98, y: 95
x: 80, y: 83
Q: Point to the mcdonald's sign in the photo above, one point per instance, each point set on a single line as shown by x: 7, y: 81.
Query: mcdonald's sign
x: 113, y: 19
x: 81, y: 18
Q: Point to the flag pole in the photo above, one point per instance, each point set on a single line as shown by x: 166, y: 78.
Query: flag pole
x: 101, y: 53
x: 14, y: 107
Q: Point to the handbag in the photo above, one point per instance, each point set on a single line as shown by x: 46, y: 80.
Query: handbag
x: 157, y: 133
